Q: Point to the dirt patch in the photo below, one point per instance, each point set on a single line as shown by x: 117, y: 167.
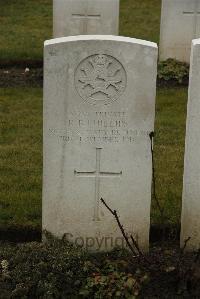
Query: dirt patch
x: 172, y: 276
x: 20, y: 234
x: 21, y: 77
x: 27, y: 75
x: 21, y: 64
x: 33, y: 270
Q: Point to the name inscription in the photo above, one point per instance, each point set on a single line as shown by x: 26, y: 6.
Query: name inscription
x: 98, y: 127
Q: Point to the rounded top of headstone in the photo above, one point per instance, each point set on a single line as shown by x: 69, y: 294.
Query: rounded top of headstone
x: 100, y: 38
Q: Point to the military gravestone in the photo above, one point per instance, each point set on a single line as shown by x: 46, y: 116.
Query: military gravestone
x: 180, y: 23
x: 191, y: 182
x: 75, y: 17
x: 99, y: 101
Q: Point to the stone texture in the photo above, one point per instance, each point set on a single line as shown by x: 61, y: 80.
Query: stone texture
x: 99, y: 102
x: 180, y: 23
x: 191, y: 181
x: 76, y: 17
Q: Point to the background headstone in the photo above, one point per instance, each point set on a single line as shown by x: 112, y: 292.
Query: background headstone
x: 191, y: 181
x: 76, y: 17
x: 99, y: 101
x: 180, y: 23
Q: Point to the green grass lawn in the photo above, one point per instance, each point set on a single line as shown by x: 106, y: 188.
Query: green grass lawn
x: 140, y: 19
x: 21, y: 154
x: 25, y: 24
x: 169, y: 151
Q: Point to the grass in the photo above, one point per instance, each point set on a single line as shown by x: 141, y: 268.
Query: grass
x: 169, y: 151
x: 25, y: 24
x: 21, y: 154
x: 140, y: 19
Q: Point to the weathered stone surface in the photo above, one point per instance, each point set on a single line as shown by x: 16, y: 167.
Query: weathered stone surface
x: 191, y: 181
x: 99, y: 101
x: 76, y: 17
x: 180, y: 23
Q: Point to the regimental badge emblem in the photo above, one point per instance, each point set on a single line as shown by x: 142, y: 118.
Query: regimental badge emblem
x: 100, y: 79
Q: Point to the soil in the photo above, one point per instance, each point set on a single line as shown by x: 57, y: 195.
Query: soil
x: 170, y: 233
x: 21, y: 77
x: 170, y: 273
x: 32, y: 76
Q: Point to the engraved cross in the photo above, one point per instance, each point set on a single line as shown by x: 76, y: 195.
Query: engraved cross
x: 195, y: 14
x: 85, y: 17
x: 97, y: 174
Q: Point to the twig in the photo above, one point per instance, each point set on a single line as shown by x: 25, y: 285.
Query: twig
x: 181, y: 253
x: 138, y: 249
x: 114, y: 213
x: 151, y: 135
x: 195, y: 260
x: 190, y: 272
x: 161, y: 210
x: 197, y: 256
x: 185, y: 245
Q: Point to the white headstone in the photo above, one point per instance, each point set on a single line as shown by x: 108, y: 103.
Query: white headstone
x: 180, y: 23
x: 76, y: 17
x: 99, y: 101
x: 191, y: 181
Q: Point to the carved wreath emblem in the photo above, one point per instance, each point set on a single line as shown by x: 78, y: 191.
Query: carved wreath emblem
x: 100, y: 79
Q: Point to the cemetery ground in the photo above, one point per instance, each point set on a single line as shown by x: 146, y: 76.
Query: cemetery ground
x: 21, y: 155
x: 58, y: 269
x: 35, y: 270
